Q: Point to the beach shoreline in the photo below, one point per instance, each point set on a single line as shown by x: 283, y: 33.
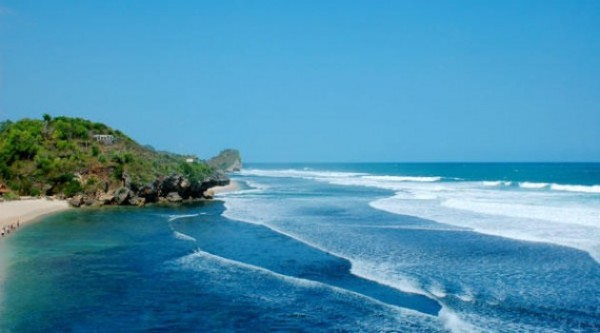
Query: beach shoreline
x: 231, y: 187
x: 16, y: 214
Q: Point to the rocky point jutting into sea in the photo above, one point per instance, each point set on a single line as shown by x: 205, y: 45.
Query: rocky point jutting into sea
x: 173, y: 188
x: 91, y: 164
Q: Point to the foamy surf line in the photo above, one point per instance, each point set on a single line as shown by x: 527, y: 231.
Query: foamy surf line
x: 576, y: 188
x: 494, y: 183
x: 183, y: 236
x: 355, y: 265
x: 579, y: 220
x: 403, y: 178
x: 313, y: 174
x: 357, y: 268
x: 591, y: 189
x: 388, y: 181
x: 177, y: 217
x: 512, y: 220
x: 447, y: 317
x: 296, y: 173
x: 196, y: 261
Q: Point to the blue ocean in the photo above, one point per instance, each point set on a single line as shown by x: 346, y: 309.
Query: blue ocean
x: 444, y: 247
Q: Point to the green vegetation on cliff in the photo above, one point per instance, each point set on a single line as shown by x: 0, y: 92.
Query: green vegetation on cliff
x: 64, y: 156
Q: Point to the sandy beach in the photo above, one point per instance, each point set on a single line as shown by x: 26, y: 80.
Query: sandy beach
x: 231, y: 187
x: 26, y: 211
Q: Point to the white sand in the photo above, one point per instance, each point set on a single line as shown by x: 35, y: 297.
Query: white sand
x: 26, y: 211
x: 232, y: 187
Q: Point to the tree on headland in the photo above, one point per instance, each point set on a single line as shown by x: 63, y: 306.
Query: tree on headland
x: 47, y: 119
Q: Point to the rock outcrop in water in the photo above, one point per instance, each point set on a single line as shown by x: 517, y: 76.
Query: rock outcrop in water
x: 229, y: 160
x: 175, y: 188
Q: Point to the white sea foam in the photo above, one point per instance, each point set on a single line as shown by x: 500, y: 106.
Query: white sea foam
x: 539, y: 212
x: 177, y: 217
x: 547, y: 214
x: 295, y: 173
x: 561, y: 213
x: 496, y: 183
x: 561, y: 187
x: 254, y: 212
x: 201, y: 261
x: 376, y: 182
x: 344, y: 178
x: 531, y: 185
x: 454, y: 323
x: 256, y: 185
x: 437, y: 290
x: 250, y: 187
x: 185, y: 237
x: 403, y: 178
x: 576, y: 188
x: 557, y: 218
x: 385, y: 274
x: 542, y: 215
x: 535, y: 213
x: 469, y: 323
x: 467, y: 296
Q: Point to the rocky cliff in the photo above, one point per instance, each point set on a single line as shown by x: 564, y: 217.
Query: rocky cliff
x: 174, y: 188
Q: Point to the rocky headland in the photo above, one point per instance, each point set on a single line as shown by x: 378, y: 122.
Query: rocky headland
x: 90, y: 164
x: 165, y: 189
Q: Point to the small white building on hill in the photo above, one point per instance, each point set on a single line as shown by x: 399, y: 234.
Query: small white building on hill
x: 106, y: 139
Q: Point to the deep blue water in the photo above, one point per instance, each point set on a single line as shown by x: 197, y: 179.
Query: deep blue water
x: 322, y: 248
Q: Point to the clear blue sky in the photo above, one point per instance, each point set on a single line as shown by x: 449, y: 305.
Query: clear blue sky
x: 316, y: 80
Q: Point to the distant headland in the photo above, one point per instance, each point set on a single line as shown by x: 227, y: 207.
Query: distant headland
x: 90, y: 164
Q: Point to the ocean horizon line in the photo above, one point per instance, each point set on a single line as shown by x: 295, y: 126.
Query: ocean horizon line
x: 423, y: 162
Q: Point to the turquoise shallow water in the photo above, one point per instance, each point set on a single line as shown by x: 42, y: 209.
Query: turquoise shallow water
x: 321, y: 248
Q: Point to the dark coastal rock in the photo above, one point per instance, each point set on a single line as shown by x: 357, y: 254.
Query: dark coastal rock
x: 89, y: 201
x: 217, y: 179
x: 174, y: 197
x: 97, y: 203
x: 170, y: 184
x: 122, y: 194
x: 148, y: 192
x: 76, y: 201
x: 47, y: 188
x: 106, y: 199
x: 126, y: 180
x: 172, y: 189
x: 137, y: 201
x: 198, y: 189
